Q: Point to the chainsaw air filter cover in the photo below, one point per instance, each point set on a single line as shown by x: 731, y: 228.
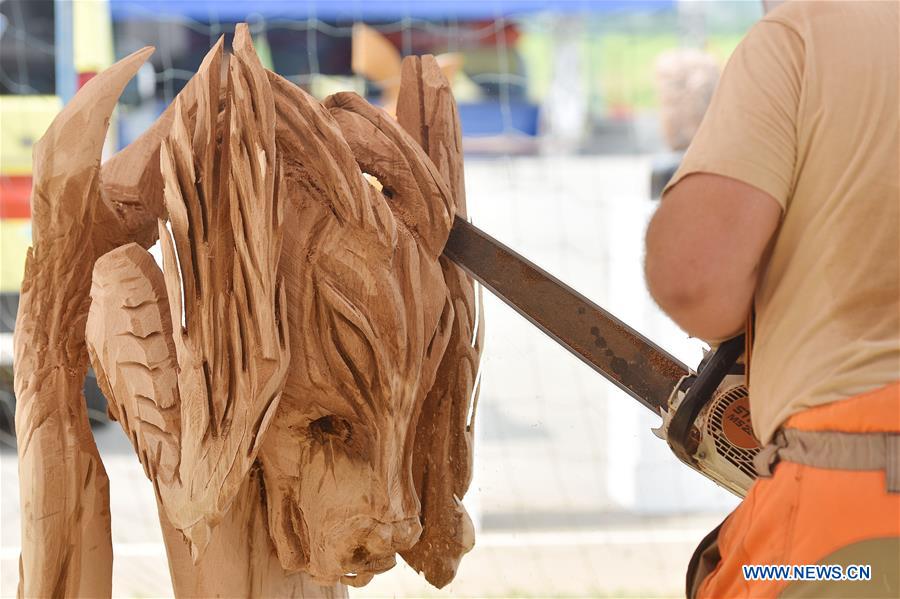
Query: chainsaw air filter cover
x: 728, y: 425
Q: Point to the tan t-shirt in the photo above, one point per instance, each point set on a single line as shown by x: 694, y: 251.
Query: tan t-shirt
x: 807, y: 110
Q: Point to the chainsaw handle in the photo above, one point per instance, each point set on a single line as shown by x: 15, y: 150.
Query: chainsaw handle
x: 712, y: 372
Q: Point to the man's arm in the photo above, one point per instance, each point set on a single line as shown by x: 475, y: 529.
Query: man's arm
x: 707, y: 243
x: 705, y: 248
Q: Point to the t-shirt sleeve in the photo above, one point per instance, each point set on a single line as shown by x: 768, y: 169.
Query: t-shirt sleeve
x: 749, y: 131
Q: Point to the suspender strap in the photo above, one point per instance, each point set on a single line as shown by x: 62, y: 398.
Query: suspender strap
x: 834, y: 451
x: 749, y: 331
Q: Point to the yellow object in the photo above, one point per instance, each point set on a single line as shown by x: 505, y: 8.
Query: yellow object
x: 23, y: 120
x: 15, y: 238
x: 373, y: 181
x: 92, y: 29
x: 806, y: 110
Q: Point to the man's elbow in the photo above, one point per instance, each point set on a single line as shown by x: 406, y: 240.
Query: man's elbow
x: 705, y: 245
x: 702, y: 303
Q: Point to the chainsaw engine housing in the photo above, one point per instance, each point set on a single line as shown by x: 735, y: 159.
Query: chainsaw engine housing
x: 707, y: 423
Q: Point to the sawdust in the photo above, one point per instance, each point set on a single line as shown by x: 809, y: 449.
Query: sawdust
x: 665, y: 366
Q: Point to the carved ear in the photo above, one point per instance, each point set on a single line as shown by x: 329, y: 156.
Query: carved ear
x: 442, y: 453
x: 416, y: 191
x: 427, y: 111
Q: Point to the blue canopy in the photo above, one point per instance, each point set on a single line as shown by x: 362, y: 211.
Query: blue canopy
x: 369, y: 10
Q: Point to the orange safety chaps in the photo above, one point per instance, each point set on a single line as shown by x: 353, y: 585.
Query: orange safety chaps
x: 828, y: 493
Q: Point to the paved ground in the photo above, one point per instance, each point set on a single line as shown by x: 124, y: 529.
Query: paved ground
x: 618, y: 554
x: 573, y: 495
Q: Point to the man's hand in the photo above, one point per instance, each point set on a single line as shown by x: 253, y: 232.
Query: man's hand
x: 705, y: 249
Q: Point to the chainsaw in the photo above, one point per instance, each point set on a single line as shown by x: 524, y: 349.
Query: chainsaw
x: 705, y: 412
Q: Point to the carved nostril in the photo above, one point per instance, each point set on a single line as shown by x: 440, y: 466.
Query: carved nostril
x: 360, y: 555
x: 330, y: 427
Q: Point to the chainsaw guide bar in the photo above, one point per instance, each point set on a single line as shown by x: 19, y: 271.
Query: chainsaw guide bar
x: 628, y: 359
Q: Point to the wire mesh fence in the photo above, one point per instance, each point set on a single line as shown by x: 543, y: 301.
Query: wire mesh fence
x: 572, y: 493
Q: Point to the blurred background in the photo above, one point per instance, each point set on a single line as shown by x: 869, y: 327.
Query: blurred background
x: 573, y: 115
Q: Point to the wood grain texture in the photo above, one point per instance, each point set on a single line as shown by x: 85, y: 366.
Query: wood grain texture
x: 66, y: 549
x: 240, y: 560
x: 442, y: 461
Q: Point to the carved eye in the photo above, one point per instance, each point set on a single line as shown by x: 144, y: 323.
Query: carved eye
x: 330, y: 428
